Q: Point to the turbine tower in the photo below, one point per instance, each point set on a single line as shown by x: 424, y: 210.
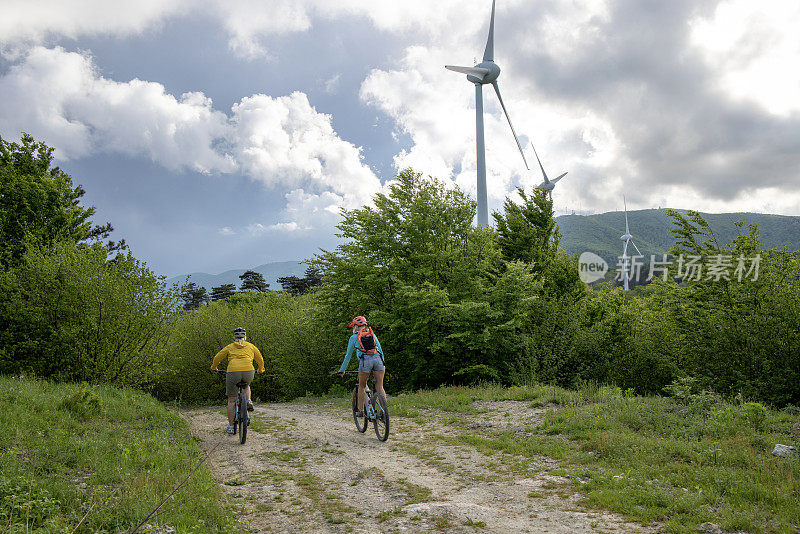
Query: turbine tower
x: 485, y: 72
x: 548, y: 185
x: 626, y: 238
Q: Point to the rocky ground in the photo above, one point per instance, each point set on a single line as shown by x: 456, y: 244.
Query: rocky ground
x: 305, y: 468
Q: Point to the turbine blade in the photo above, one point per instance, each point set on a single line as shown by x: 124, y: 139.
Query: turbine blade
x: 540, y: 164
x: 637, y: 248
x: 625, y: 249
x: 500, y: 98
x: 488, y: 54
x: 478, y: 72
x: 554, y: 180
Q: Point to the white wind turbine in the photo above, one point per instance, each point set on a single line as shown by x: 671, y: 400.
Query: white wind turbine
x: 626, y: 238
x: 548, y: 185
x: 481, y: 74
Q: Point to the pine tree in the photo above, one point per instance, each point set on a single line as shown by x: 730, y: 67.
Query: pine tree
x: 297, y: 286
x: 253, y: 281
x: 194, y: 296
x: 223, y: 292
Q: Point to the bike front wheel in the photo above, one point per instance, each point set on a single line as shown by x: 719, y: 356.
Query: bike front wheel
x: 381, y: 417
x: 361, y: 422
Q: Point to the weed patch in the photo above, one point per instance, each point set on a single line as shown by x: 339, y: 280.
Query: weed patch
x: 117, y: 452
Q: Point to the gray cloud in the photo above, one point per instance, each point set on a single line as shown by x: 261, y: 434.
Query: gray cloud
x: 638, y: 69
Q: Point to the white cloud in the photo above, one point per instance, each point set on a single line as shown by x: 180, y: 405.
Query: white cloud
x: 226, y: 231
x: 436, y: 108
x: 61, y: 99
x: 755, y: 46
x: 36, y: 20
x: 248, y: 23
x: 285, y: 141
x: 306, y: 212
x: 612, y: 93
x: 332, y: 83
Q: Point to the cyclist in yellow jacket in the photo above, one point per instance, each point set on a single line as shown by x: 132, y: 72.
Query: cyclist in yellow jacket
x: 240, y: 355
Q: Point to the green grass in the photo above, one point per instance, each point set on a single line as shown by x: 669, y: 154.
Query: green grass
x: 415, y: 492
x: 651, y: 459
x: 458, y: 399
x: 67, y: 448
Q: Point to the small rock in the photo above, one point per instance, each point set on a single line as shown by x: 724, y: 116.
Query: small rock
x: 709, y: 528
x: 784, y: 451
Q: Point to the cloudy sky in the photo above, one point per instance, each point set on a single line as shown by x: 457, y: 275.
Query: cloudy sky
x: 219, y: 134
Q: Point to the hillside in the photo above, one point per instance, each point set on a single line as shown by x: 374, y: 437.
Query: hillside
x: 270, y: 271
x: 594, y: 233
x: 651, y: 231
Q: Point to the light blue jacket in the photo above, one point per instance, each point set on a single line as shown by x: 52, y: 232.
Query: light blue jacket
x: 352, y: 345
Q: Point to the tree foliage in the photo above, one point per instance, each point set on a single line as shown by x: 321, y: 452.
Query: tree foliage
x: 298, y: 356
x: 432, y: 285
x: 69, y: 314
x: 39, y: 206
x: 451, y: 303
x: 253, y: 281
x: 194, y: 296
x: 298, y: 286
x: 223, y: 292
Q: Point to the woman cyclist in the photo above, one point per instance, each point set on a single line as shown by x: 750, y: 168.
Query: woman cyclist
x: 240, y: 355
x: 366, y: 362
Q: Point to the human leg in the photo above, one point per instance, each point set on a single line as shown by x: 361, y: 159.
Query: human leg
x: 231, y: 409
x: 362, y: 385
x: 379, y: 382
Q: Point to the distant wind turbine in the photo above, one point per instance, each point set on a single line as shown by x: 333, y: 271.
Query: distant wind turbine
x: 627, y: 238
x: 481, y: 74
x: 548, y: 185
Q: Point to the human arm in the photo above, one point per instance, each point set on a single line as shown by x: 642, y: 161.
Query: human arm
x: 351, y: 346
x: 259, y: 359
x: 221, y: 355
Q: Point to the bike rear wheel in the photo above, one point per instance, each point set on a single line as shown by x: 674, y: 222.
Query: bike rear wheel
x: 243, y: 417
x: 361, y: 422
x: 381, y: 416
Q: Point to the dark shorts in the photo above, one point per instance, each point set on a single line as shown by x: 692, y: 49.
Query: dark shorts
x: 234, y: 377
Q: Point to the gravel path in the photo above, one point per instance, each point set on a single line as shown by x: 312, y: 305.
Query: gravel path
x: 305, y: 468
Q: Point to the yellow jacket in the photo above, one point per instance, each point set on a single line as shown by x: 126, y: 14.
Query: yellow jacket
x: 240, y: 358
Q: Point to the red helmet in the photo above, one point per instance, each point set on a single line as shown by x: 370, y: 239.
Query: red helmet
x: 359, y: 321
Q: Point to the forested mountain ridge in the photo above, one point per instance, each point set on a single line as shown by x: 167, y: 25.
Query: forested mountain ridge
x: 270, y: 271
x: 600, y: 233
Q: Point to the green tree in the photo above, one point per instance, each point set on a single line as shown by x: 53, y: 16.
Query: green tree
x: 39, y: 206
x: 253, y: 281
x: 298, y: 286
x: 69, y: 314
x: 223, y: 292
x: 740, y: 331
x: 194, y: 296
x: 298, y: 356
x: 292, y: 285
x: 414, y: 265
x: 528, y: 232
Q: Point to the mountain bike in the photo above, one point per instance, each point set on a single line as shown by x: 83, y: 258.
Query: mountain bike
x: 241, y: 419
x: 376, y: 409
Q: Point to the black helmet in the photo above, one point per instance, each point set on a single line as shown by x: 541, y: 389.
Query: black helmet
x: 239, y: 333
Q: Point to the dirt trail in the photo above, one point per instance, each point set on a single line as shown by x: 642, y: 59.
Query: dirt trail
x: 305, y: 468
